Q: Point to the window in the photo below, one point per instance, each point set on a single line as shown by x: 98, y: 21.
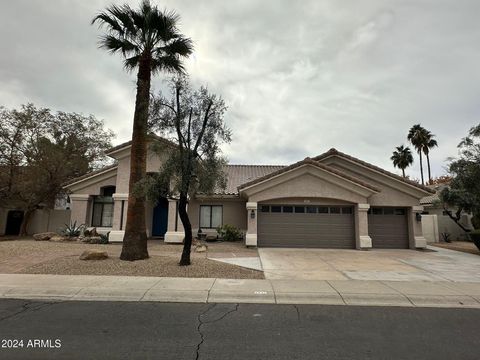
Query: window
x: 399, y: 211
x: 347, y: 210
x: 276, y: 208
x: 387, y: 211
x: 211, y: 216
x: 323, y: 209
x: 311, y: 209
x: 102, y: 214
x: 377, y: 211
x: 299, y: 209
x: 335, y: 210
x: 288, y: 209
x: 265, y: 208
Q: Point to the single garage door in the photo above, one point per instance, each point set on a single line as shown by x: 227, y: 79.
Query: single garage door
x: 388, y: 227
x: 306, y: 226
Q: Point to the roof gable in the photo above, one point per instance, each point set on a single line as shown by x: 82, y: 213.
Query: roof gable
x: 334, y: 152
x: 311, y: 162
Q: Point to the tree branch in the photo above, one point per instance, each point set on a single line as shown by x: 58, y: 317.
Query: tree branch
x: 204, y: 125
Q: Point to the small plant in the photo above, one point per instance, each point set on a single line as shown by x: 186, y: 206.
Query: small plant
x: 446, y: 237
x: 229, y: 233
x: 104, y: 238
x: 72, y: 230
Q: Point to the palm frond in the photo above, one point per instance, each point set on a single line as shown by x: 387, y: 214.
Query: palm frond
x: 167, y: 63
x: 114, y: 44
x: 179, y: 46
x: 131, y: 62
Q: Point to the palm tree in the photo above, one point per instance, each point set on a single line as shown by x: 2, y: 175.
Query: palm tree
x: 430, y: 143
x: 416, y: 136
x: 149, y: 40
x: 402, y: 158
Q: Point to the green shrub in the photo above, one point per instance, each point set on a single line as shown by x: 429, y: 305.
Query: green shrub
x: 72, y: 230
x: 104, y: 238
x: 229, y: 233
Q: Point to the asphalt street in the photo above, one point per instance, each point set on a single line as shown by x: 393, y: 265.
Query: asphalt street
x: 133, y: 330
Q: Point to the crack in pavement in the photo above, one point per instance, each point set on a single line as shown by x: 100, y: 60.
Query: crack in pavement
x: 298, y: 312
x: 26, y: 307
x: 201, y: 323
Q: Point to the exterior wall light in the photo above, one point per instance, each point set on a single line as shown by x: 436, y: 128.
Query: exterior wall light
x: 418, y: 217
x: 252, y: 214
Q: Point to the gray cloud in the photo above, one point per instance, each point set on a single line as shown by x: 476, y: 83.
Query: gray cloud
x: 299, y: 78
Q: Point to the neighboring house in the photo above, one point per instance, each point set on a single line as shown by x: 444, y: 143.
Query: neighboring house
x: 42, y: 220
x: 446, y: 225
x: 331, y: 201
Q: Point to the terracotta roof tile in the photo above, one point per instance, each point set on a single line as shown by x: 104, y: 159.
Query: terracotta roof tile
x: 240, y: 174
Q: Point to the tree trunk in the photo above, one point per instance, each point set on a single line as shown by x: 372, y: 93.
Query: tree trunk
x: 403, y: 172
x: 135, y: 238
x: 26, y: 220
x: 456, y: 218
x: 187, y: 226
x: 428, y: 166
x: 421, y: 167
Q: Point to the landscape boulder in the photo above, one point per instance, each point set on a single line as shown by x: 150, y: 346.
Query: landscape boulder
x: 44, y: 236
x: 201, y: 248
x: 58, y: 238
x: 94, y: 255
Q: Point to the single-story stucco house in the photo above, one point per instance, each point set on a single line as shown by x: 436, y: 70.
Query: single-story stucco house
x: 332, y: 200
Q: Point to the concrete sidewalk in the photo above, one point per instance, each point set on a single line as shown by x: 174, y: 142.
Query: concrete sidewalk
x: 202, y: 290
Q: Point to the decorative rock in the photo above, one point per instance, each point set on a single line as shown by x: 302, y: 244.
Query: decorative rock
x: 201, y: 248
x: 94, y: 255
x: 211, y: 238
x: 58, y: 238
x: 44, y: 236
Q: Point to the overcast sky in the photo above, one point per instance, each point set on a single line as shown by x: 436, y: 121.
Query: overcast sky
x: 299, y: 77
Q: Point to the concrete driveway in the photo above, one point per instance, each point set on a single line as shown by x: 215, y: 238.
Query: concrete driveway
x: 433, y: 264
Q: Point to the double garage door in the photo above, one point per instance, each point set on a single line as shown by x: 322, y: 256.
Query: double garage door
x: 315, y: 226
x: 306, y: 226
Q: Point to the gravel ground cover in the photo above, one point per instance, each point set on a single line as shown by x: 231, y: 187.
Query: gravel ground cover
x: 42, y: 257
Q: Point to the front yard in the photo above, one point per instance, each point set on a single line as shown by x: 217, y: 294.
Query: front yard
x: 463, y: 246
x: 27, y: 256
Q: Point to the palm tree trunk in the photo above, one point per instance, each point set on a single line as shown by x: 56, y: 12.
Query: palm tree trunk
x: 421, y: 167
x: 135, y: 238
x: 187, y: 226
x: 428, y: 166
x: 403, y: 172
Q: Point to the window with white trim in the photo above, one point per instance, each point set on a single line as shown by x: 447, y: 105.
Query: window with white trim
x: 211, y: 216
x: 102, y: 212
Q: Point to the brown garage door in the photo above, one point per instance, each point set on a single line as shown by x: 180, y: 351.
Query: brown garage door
x: 306, y: 226
x: 388, y: 227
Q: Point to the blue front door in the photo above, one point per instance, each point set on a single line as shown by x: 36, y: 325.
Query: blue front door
x: 160, y: 218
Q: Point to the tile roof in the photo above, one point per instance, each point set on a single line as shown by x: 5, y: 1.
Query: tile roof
x: 92, y: 173
x: 334, y: 151
x: 240, y: 174
x: 314, y: 163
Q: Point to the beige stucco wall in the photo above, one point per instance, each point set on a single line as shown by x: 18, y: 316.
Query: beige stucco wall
x: 234, y: 212
x: 297, y: 184
x: 306, y: 201
x: 42, y: 220
x: 445, y: 224
x: 94, y: 187
x: 393, y: 192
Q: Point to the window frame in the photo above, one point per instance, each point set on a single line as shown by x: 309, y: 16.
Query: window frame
x: 97, y: 200
x: 211, y: 216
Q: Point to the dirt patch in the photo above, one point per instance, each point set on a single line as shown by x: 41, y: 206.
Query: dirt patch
x: 33, y: 257
x: 463, y: 246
